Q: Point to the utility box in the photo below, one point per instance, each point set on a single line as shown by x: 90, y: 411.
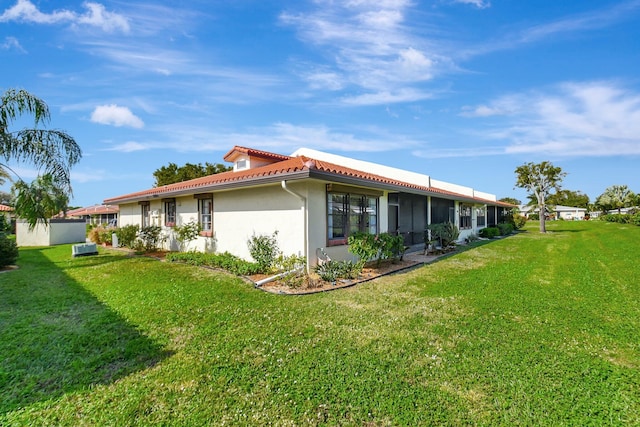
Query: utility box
x: 84, y: 249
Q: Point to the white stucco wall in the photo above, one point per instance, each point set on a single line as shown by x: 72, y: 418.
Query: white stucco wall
x: 58, y: 232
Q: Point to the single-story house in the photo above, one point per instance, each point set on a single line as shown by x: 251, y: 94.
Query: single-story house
x: 97, y: 214
x: 314, y: 200
x: 556, y: 212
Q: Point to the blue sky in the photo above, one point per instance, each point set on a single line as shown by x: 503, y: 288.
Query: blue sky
x: 462, y: 90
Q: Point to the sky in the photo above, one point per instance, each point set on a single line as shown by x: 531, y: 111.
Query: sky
x: 462, y: 90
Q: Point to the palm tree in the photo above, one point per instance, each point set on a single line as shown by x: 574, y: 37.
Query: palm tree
x: 616, y: 197
x: 53, y: 152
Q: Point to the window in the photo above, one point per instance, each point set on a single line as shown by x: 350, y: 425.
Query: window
x: 481, y: 216
x: 146, y: 214
x: 465, y: 217
x: 205, y: 215
x: 349, y: 213
x: 170, y: 212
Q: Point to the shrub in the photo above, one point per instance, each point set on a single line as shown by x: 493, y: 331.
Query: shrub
x: 364, y: 246
x: 505, y: 228
x: 534, y: 217
x: 295, y: 266
x: 5, y: 225
x: 127, y: 235
x: 8, y: 250
x: 391, y: 247
x: 225, y: 261
x: 106, y: 235
x: 347, y: 269
x: 446, y: 234
x: 328, y: 271
x: 264, y: 250
x: 186, y: 233
x: 519, y: 221
x: 94, y: 235
x: 150, y: 237
x: 490, y: 232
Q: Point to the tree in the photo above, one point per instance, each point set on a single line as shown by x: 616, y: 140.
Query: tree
x: 616, y: 197
x: 569, y: 198
x: 41, y: 199
x: 173, y: 173
x: 511, y: 200
x: 539, y: 179
x: 52, y: 152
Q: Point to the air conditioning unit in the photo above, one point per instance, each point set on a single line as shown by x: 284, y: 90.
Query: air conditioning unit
x: 84, y: 249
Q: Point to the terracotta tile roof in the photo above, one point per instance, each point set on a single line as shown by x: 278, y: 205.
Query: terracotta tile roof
x: 94, y: 210
x: 235, y: 151
x: 301, y: 167
x: 5, y: 208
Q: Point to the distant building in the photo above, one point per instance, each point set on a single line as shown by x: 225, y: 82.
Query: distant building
x: 556, y: 212
x: 97, y: 214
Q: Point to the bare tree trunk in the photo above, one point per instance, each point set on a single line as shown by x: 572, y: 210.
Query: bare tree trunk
x: 543, y: 214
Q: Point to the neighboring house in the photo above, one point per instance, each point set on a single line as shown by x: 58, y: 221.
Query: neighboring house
x: 569, y: 213
x: 312, y: 199
x: 97, y: 214
x: 556, y: 212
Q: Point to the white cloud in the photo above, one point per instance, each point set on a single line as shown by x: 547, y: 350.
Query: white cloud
x: 95, y: 16
x: 129, y: 147
x: 12, y: 43
x: 572, y: 119
x: 98, y: 16
x: 372, y: 48
x: 116, y: 116
x: 95, y: 175
x: 286, y: 137
x: 588, y: 21
x: 381, y: 98
x: 480, y: 4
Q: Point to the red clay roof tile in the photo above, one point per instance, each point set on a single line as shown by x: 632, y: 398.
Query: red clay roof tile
x: 286, y: 166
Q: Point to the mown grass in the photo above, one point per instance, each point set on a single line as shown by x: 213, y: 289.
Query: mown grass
x: 528, y: 330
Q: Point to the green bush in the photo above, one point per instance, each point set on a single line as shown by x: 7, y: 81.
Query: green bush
x: 519, y: 221
x: 364, y: 246
x: 264, y: 250
x: 151, y: 237
x: 505, y: 228
x: 127, y: 235
x: 295, y: 266
x: 8, y: 250
x: 186, y: 233
x: 328, y: 271
x: 445, y: 234
x: 490, y: 232
x: 5, y: 225
x: 225, y: 261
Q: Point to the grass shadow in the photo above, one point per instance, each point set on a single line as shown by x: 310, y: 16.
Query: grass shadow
x: 56, y: 337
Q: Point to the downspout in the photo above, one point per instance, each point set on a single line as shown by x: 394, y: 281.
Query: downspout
x: 305, y: 221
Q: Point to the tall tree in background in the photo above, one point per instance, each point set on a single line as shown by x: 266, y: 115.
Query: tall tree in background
x: 616, y: 197
x: 52, y: 152
x: 173, y: 173
x: 539, y: 179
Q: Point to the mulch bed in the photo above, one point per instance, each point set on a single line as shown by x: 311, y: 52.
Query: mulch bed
x: 313, y: 284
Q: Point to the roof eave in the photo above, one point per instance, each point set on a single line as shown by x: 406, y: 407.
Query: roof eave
x: 215, y: 187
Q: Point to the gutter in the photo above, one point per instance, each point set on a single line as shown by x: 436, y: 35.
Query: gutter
x: 305, y: 217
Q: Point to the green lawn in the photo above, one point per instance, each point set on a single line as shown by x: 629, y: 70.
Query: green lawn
x: 528, y: 330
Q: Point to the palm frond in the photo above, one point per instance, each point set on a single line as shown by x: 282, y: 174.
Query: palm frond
x: 14, y: 103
